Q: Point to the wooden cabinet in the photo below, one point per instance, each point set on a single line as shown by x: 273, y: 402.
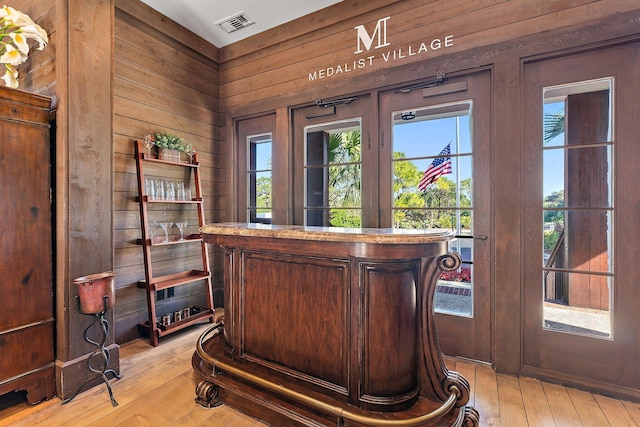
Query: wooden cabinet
x: 164, y: 184
x: 326, y: 326
x: 26, y: 265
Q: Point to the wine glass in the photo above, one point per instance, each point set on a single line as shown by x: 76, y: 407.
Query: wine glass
x: 165, y: 227
x: 182, y: 195
x: 159, y: 190
x: 148, y: 143
x: 181, y: 227
x: 152, y: 229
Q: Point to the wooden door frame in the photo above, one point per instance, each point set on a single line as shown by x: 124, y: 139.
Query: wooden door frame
x: 305, y: 115
x: 477, y: 340
x: 607, y: 365
x: 244, y: 128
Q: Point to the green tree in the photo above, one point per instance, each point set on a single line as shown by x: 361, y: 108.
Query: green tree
x: 410, y: 203
x: 406, y: 196
x: 437, y: 196
x: 554, y: 200
x: 263, y: 195
x: 345, y: 190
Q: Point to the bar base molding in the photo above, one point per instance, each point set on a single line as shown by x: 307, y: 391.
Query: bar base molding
x: 281, y: 403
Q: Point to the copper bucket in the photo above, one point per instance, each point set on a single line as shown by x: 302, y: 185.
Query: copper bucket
x: 92, y: 289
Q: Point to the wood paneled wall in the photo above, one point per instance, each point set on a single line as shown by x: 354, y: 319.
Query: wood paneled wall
x: 272, y: 69
x: 161, y: 82
x: 164, y: 78
x: 82, y: 145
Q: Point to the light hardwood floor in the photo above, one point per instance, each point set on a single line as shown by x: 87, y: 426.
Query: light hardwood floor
x: 157, y: 390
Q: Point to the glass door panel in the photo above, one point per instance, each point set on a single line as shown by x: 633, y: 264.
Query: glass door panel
x: 333, y: 174
x: 577, y: 207
x: 259, y: 180
x: 433, y: 188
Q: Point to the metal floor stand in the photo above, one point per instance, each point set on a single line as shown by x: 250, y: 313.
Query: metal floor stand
x: 100, y: 350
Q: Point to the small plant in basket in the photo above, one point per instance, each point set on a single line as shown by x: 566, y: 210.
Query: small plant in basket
x: 170, y: 146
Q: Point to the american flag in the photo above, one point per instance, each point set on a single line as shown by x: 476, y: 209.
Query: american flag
x: 440, y: 166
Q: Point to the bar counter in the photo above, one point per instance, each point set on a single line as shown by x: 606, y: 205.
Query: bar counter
x: 330, y: 326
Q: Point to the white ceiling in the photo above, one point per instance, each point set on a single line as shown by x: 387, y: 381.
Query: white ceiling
x: 200, y: 16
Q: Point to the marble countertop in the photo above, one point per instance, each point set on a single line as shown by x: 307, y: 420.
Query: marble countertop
x: 334, y: 234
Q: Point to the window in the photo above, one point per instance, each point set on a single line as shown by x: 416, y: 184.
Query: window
x: 332, y: 168
x: 577, y: 207
x: 432, y: 188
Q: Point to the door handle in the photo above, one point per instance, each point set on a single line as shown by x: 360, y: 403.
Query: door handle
x: 466, y: 236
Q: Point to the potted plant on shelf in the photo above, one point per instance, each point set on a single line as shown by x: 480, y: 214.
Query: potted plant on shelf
x: 170, y: 146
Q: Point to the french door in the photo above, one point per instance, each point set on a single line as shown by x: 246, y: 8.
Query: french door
x: 581, y: 217
x: 414, y: 158
x: 434, y: 173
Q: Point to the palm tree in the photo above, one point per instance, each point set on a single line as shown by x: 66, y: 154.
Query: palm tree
x: 553, y: 126
x: 344, y: 172
x: 345, y: 179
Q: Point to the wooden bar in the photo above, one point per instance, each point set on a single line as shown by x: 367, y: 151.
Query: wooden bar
x: 324, y: 318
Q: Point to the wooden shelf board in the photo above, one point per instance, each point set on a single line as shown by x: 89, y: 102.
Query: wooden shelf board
x: 172, y: 240
x: 165, y: 282
x: 146, y: 158
x: 193, y: 200
x: 202, y: 315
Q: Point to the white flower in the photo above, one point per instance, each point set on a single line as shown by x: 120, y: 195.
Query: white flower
x: 14, y: 17
x: 20, y: 41
x: 12, y: 56
x: 10, y: 77
x: 35, y: 32
x: 16, y: 29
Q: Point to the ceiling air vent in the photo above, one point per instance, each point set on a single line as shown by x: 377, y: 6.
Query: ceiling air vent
x: 235, y: 22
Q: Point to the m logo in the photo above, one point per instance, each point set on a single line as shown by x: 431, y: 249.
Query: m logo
x: 366, y: 40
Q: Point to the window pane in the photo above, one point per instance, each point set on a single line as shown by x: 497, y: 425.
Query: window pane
x: 344, y: 186
x: 263, y: 190
x: 419, y: 136
x: 554, y: 123
x: 454, y: 291
x: 263, y: 155
x: 464, y: 247
x: 348, y: 218
x: 587, y: 180
x: 578, y: 317
x: 317, y: 196
x: 591, y: 100
x: 578, y: 240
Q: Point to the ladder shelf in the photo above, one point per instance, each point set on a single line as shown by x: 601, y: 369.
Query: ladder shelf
x: 159, y: 325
